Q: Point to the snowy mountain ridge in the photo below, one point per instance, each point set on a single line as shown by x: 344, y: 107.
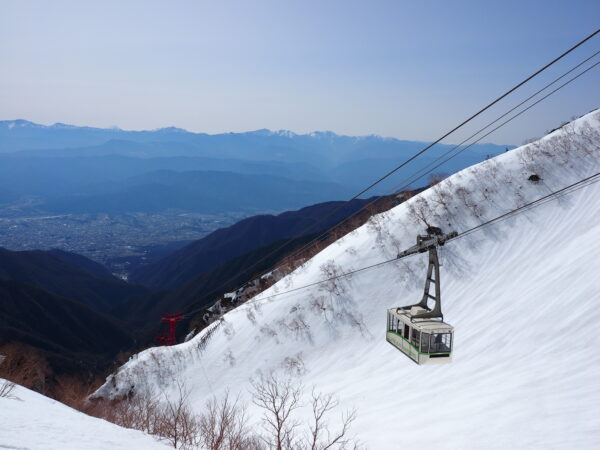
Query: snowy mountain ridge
x: 522, y: 296
x: 320, y: 135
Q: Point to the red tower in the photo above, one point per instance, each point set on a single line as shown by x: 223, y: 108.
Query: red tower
x: 171, y: 319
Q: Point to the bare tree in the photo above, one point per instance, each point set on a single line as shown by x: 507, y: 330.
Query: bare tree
x: 294, y: 365
x: 334, y: 286
x: 420, y: 211
x: 229, y: 358
x: 250, y: 315
x: 224, y: 425
x: 278, y: 399
x: 178, y: 425
x: 320, y: 437
x: 269, y: 331
x: 6, y: 387
x: 467, y: 199
x: 435, y: 178
x: 169, y: 419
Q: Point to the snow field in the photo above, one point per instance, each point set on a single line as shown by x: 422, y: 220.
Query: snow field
x: 31, y: 421
x: 522, y: 295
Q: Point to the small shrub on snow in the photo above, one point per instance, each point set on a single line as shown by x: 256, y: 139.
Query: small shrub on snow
x: 294, y: 365
x: 420, y: 212
x: 268, y: 331
x: 229, y: 358
x: 224, y: 426
x: 6, y: 387
x: 435, y: 178
x: 299, y: 327
x: 334, y: 286
x: 251, y: 316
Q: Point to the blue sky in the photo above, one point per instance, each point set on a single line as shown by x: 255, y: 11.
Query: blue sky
x: 395, y: 68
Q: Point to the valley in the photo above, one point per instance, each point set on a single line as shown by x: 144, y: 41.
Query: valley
x: 127, y: 199
x: 122, y: 242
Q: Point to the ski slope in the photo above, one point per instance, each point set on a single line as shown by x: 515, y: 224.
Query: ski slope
x: 29, y: 420
x: 523, y: 296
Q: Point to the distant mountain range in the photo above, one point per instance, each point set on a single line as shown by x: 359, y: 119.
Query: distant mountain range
x: 74, y: 169
x: 65, y: 169
x: 198, y: 191
x: 62, y: 139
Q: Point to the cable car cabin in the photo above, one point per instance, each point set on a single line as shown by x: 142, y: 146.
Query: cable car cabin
x: 424, y: 340
x: 419, y: 330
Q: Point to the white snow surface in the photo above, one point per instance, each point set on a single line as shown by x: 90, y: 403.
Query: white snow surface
x: 523, y: 296
x: 31, y: 421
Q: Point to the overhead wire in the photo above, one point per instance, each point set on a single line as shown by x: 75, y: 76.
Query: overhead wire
x: 407, y: 182
x: 410, y: 159
x: 412, y: 180
x: 540, y: 201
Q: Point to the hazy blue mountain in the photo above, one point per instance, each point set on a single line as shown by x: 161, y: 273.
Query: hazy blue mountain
x: 83, y: 169
x: 199, y: 191
x: 261, y: 145
x: 45, y: 176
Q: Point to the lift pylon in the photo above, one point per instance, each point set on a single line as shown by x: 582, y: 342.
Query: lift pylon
x: 429, y: 243
x: 170, y: 337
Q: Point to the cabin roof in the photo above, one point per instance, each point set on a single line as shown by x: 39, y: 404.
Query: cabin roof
x: 426, y: 325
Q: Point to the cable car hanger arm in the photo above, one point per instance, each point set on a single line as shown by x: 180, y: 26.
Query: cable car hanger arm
x: 433, y: 238
x: 429, y: 243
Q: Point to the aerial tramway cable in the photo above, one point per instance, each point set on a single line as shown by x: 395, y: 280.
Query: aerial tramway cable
x: 412, y: 179
x: 405, y: 184
x: 540, y: 201
x: 420, y: 152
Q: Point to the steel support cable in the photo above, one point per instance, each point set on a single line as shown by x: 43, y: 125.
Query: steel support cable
x: 482, y: 110
x: 412, y: 158
x: 542, y: 200
x: 407, y: 182
x: 552, y: 196
x: 412, y: 179
x: 546, y: 198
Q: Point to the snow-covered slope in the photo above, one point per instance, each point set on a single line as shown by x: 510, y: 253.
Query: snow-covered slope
x: 29, y: 420
x: 523, y: 296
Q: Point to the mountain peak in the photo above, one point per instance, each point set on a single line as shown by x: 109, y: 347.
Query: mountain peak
x: 64, y: 126
x: 171, y: 130
x: 18, y: 123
